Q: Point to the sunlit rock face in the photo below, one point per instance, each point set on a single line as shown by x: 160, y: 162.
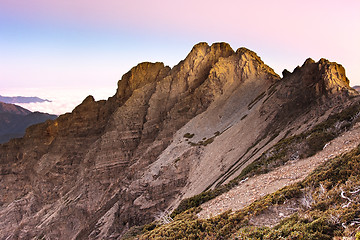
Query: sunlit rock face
x: 110, y: 165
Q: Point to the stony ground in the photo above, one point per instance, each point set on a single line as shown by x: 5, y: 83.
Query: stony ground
x: 294, y: 171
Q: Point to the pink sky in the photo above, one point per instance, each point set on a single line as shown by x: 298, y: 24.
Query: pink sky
x: 88, y: 45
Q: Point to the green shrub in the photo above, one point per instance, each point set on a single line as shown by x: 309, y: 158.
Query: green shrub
x: 149, y: 227
x: 243, y: 117
x: 317, y: 140
x: 314, y: 223
x: 189, y: 135
x: 314, y: 141
x: 330, y: 176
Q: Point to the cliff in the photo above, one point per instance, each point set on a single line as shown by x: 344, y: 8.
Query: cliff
x: 167, y: 134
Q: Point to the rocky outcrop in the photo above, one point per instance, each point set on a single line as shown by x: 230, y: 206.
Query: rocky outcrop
x: 165, y: 135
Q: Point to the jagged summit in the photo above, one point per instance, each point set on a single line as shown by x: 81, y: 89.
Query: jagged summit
x: 204, y: 48
x: 244, y: 50
x: 88, y: 100
x: 308, y: 61
x: 167, y: 134
x: 198, y: 62
x: 325, y: 76
x: 140, y: 75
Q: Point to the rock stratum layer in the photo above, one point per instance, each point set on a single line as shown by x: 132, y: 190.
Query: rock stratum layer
x: 167, y: 134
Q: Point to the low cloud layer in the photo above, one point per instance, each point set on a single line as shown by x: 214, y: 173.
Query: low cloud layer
x: 54, y: 107
x: 62, y: 100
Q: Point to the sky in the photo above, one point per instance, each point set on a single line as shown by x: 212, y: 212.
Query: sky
x: 64, y: 50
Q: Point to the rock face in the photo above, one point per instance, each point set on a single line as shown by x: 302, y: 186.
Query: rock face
x: 167, y: 134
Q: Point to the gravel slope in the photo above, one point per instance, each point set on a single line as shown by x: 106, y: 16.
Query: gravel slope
x: 294, y: 171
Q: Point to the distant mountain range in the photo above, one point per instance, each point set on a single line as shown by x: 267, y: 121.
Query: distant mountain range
x: 13, y: 109
x: 357, y: 88
x: 14, y: 120
x: 19, y: 99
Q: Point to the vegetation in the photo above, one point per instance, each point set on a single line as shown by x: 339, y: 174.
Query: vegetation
x: 326, y: 217
x: 188, y: 135
x: 305, y: 144
x: 199, y: 199
x: 205, y: 141
x: 243, y: 117
x: 298, y: 146
x: 332, y: 194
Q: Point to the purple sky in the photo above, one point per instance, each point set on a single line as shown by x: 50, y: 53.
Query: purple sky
x: 67, y: 49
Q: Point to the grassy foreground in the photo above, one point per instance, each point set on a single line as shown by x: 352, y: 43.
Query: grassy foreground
x: 304, y: 145
x: 329, y: 206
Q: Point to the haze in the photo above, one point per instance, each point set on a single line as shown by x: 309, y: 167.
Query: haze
x: 66, y: 50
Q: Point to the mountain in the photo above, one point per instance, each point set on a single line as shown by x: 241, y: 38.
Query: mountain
x: 20, y: 99
x: 357, y: 88
x: 14, y: 120
x: 168, y: 134
x: 13, y: 109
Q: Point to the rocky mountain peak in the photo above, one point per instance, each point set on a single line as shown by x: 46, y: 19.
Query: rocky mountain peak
x: 88, y: 100
x: 199, y: 47
x: 334, y: 74
x: 308, y: 61
x: 167, y: 134
x: 139, y: 76
x: 248, y: 52
x: 203, y: 48
x: 324, y: 76
x: 221, y: 47
x: 285, y: 73
x: 250, y: 62
x: 203, y: 51
x: 11, y: 108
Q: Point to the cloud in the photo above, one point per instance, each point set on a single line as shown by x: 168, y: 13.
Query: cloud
x: 62, y: 100
x: 54, y: 107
